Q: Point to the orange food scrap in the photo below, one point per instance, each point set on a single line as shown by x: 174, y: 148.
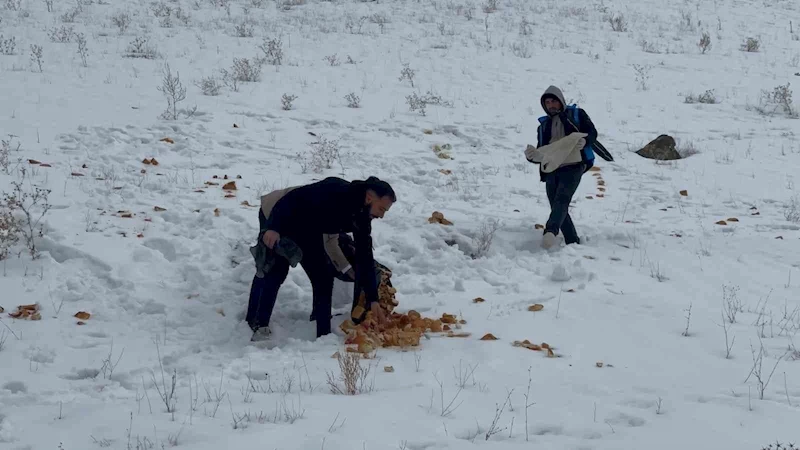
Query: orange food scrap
x: 458, y: 335
x: 527, y: 344
x: 438, y: 217
x: 448, y: 318
x: 26, y: 312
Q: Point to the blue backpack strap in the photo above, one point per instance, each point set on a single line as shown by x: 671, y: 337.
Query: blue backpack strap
x: 542, y: 120
x: 576, y: 120
x: 587, y: 152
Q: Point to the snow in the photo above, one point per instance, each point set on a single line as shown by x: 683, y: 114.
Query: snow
x: 167, y: 289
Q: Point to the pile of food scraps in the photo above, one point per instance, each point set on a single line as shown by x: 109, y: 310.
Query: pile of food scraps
x: 399, y: 329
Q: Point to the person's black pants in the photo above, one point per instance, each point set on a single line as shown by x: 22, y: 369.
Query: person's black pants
x: 264, y: 291
x: 561, y: 186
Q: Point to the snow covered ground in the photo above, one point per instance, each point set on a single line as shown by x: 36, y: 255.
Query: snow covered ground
x: 671, y: 331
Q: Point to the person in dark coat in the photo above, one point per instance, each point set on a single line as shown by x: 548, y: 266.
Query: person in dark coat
x: 564, y: 152
x: 304, y: 216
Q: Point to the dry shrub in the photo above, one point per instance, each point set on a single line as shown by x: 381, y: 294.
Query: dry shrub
x: 352, y: 377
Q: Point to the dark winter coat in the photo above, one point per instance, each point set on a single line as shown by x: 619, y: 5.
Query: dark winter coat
x: 330, y: 206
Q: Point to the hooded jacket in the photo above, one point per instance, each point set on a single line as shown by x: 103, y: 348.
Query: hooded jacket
x: 554, y: 127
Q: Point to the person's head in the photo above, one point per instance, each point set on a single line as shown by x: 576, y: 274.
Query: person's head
x: 553, y: 101
x: 552, y: 105
x: 379, y: 197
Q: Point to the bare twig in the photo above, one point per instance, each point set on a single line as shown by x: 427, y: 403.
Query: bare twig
x: 216, y: 399
x: 9, y: 329
x: 528, y: 404
x: 493, y: 428
x: 108, y: 366
x: 446, y: 410
x: 688, y: 320
x: 786, y: 389
x: 334, y: 426
x: 756, y: 370
x: 728, y: 343
x: 166, y: 392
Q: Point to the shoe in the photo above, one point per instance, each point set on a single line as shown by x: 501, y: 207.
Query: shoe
x: 260, y: 334
x: 548, y: 241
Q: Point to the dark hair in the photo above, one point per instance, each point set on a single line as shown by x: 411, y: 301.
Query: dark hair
x: 380, y: 187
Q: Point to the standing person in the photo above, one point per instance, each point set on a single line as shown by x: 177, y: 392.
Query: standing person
x: 302, y: 217
x: 564, y: 152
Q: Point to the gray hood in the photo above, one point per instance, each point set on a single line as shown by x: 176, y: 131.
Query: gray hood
x: 553, y: 91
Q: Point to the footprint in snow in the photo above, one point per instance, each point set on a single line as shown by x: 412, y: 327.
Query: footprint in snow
x: 82, y: 374
x: 16, y: 387
x: 560, y: 273
x: 163, y: 246
x: 626, y: 420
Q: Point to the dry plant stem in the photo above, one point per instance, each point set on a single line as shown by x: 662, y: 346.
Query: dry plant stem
x: 528, y: 404
x: 448, y: 409
x: 756, y: 370
x: 493, y: 428
x: 728, y: 343
x: 166, y: 392
x: 9, y: 329
x: 688, y: 320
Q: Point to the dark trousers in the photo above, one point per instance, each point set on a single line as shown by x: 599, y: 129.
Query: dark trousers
x: 264, y: 291
x: 561, y: 186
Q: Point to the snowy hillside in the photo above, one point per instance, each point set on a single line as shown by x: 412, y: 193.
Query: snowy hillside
x: 670, y: 328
